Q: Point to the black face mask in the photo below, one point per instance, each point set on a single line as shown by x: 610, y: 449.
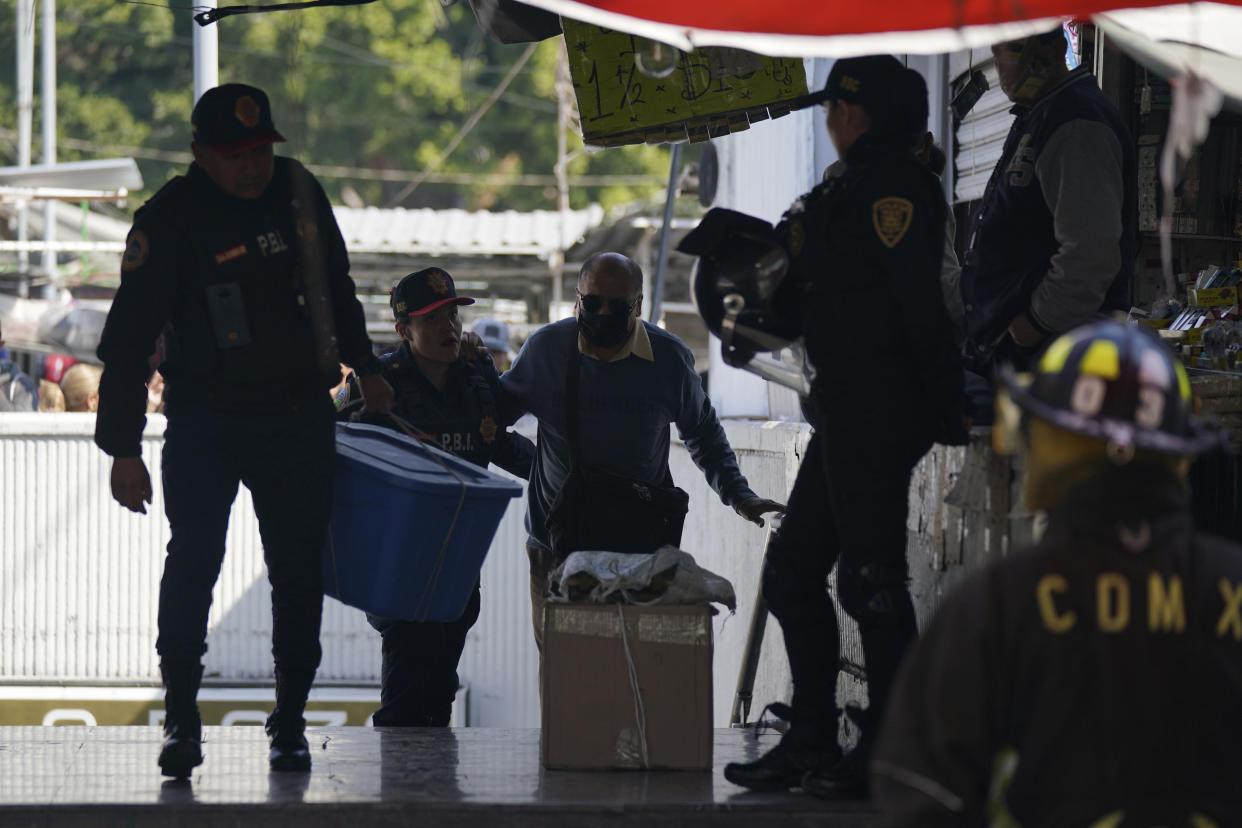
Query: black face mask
x: 604, y: 330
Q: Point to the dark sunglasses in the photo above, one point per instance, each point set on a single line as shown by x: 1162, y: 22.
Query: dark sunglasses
x: 594, y: 303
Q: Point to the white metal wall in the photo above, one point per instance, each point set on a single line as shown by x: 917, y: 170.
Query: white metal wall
x: 79, y: 577
x: 762, y: 170
x: 981, y: 137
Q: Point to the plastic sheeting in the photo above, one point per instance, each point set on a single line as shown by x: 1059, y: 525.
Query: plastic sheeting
x: 1200, y: 38
x: 668, y: 576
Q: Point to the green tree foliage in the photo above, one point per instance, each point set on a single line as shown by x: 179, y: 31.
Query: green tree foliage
x: 384, y: 86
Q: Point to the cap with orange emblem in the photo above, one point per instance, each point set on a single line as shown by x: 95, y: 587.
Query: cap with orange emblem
x: 233, y: 118
x: 422, y: 292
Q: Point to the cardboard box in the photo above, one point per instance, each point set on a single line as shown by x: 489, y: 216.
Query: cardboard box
x: 590, y: 719
x: 1213, y: 297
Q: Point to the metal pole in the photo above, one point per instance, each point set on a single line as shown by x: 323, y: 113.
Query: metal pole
x: 742, y: 697
x: 206, y: 52
x: 25, y: 117
x: 564, y: 112
x: 49, y: 140
x: 1099, y: 56
x: 657, y: 291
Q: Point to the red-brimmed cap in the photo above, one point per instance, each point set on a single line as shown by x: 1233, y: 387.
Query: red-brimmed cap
x: 233, y: 118
x: 421, y: 292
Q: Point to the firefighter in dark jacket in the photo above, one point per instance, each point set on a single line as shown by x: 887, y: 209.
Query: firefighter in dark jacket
x: 864, y: 282
x: 215, y: 262
x: 1093, y: 680
x: 453, y: 404
x: 1053, y: 243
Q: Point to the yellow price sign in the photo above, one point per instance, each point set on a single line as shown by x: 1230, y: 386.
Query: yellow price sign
x: 711, y: 92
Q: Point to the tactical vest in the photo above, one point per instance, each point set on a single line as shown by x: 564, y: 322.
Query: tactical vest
x: 239, y: 317
x: 1013, y: 237
x: 463, y: 421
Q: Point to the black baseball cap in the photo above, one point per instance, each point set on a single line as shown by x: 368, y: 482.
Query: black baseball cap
x: 421, y: 292
x: 233, y: 118
x: 895, y: 97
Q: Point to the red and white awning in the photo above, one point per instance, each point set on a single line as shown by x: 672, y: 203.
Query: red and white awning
x: 834, y: 29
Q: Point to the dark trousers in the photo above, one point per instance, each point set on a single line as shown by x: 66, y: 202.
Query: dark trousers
x: 847, y: 509
x: 419, y: 680
x: 286, y: 461
x: 542, y: 562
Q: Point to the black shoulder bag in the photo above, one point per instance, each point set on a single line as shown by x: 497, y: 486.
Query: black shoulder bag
x: 599, y: 510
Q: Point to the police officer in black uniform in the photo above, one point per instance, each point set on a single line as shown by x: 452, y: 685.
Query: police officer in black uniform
x: 452, y: 404
x: 864, y: 289
x: 1095, y: 678
x: 231, y: 265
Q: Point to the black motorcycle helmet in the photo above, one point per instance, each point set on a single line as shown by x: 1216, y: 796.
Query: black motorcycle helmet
x: 741, y: 266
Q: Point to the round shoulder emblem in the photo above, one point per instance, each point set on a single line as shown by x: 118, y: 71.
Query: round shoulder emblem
x: 487, y: 429
x: 137, y: 249
x: 437, y: 282
x: 246, y: 111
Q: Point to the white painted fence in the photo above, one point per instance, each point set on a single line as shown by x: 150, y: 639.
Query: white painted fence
x: 79, y: 577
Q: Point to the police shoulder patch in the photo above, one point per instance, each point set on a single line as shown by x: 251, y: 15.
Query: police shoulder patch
x: 891, y: 217
x: 487, y: 428
x: 137, y: 249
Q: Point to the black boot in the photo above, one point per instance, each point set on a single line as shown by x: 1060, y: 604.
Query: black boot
x: 286, y: 728
x: 290, y: 751
x: 183, y: 729
x: 847, y: 779
x: 801, y: 750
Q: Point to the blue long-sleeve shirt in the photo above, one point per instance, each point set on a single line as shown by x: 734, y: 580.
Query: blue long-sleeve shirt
x: 625, y: 408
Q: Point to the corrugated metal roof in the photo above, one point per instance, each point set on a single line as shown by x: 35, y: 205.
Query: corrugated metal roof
x: 428, y: 232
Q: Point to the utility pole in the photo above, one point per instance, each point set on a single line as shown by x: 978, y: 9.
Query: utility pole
x: 25, y: 116
x: 564, y: 115
x: 670, y: 197
x: 49, y: 142
x: 206, y: 52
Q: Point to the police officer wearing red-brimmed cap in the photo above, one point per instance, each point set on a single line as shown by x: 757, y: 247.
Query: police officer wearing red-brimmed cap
x: 249, y: 285
x: 453, y: 402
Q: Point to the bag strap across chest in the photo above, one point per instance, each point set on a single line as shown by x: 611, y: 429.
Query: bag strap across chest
x: 573, y: 423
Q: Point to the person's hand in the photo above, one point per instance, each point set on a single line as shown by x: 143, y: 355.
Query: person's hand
x: 754, y: 508
x: 472, y: 347
x: 377, y: 394
x: 131, y: 485
x: 336, y: 389
x: 1024, y: 333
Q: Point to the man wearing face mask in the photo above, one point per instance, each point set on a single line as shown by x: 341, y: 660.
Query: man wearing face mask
x: 1053, y: 242
x: 635, y: 380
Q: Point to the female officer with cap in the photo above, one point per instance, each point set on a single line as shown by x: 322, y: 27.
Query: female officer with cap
x: 869, y: 238
x: 452, y: 404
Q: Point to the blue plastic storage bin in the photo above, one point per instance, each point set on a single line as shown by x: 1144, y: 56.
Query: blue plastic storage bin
x: 394, y: 506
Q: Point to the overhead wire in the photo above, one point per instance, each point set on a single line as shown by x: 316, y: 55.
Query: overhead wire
x: 368, y: 173
x: 466, y: 127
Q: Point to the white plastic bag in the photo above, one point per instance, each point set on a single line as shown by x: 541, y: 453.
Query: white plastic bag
x: 667, y: 576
